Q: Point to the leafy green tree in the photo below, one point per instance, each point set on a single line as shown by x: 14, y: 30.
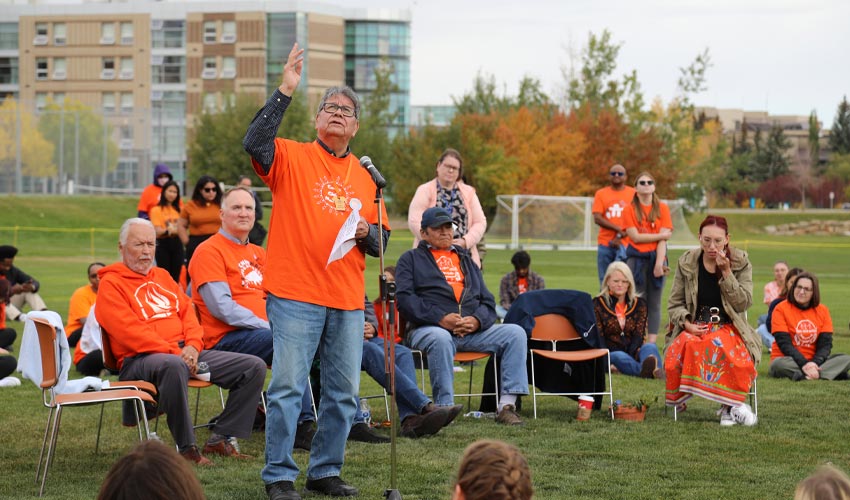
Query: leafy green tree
x: 839, y: 136
x: 376, y: 118
x: 36, y: 151
x: 814, y: 141
x: 770, y: 158
x: 483, y: 99
x: 216, y: 144
x: 79, y: 125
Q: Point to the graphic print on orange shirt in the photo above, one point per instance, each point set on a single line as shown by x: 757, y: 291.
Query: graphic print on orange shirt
x: 449, y: 264
x: 522, y: 285
x: 332, y: 194
x: 805, y: 334
x: 155, y: 301
x: 252, y: 277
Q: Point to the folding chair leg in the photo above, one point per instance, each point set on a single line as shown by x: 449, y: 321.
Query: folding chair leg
x: 99, y: 424
x: 469, y: 391
x: 51, y: 450
x: 50, y: 416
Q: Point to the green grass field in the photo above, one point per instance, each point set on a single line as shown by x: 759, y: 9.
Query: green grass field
x: 801, y: 424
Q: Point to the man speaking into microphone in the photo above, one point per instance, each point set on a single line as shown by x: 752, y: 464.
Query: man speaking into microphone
x: 323, y: 224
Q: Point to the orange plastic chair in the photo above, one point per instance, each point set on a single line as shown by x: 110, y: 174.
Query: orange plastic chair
x: 468, y: 357
x: 555, y: 328
x: 49, y: 348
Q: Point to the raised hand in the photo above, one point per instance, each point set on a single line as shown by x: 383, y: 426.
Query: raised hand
x: 292, y: 70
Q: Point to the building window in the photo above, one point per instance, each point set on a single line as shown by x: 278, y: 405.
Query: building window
x: 210, y: 32
x: 59, y: 34
x: 168, y: 69
x: 40, y: 34
x: 210, y: 103
x: 125, y: 137
x: 40, y: 101
x: 8, y: 70
x: 228, y: 67
x: 126, y: 72
x: 8, y: 36
x: 210, y: 68
x: 228, y: 31
x: 167, y: 34
x: 107, y: 68
x: 126, y: 102
x: 59, y: 99
x: 127, y: 33
x: 59, y: 68
x: 41, y: 68
x: 108, y: 102
x: 107, y: 33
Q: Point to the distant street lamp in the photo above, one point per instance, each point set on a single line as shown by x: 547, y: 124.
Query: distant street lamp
x: 831, y: 199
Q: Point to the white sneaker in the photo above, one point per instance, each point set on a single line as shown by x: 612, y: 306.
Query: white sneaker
x: 10, y: 382
x: 726, y: 418
x: 744, y: 415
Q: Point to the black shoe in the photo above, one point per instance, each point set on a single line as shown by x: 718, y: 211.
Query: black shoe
x: 361, y: 432
x: 648, y: 367
x: 332, y: 486
x: 304, y: 435
x: 454, y: 411
x: 282, y: 490
x: 432, y: 419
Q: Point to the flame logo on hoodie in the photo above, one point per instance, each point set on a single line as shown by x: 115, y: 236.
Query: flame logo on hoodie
x: 155, y: 301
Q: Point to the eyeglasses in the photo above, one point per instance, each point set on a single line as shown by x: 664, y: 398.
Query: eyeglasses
x: 617, y: 174
x: 803, y: 289
x: 646, y: 183
x: 450, y: 168
x: 210, y: 190
x: 331, y: 108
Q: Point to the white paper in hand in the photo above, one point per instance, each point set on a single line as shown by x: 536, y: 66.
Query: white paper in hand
x: 345, y: 238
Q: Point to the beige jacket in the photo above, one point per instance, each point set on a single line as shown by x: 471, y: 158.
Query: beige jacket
x: 736, y: 292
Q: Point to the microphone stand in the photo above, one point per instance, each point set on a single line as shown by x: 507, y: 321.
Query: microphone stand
x: 390, y: 328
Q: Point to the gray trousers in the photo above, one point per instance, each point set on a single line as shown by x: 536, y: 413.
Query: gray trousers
x: 242, y: 374
x: 834, y: 366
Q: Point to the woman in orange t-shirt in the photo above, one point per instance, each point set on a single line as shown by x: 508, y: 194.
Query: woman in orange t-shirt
x: 803, y: 329
x: 164, y: 217
x: 648, y: 225
x: 200, y: 217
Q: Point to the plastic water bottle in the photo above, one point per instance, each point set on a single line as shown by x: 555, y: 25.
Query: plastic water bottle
x: 365, y: 411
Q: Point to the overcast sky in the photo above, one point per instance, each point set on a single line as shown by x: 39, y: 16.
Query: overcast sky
x: 783, y: 56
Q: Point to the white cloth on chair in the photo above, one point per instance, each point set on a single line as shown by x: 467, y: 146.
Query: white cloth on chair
x: 29, y: 362
x: 90, y: 338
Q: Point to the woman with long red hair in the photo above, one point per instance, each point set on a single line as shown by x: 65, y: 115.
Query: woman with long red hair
x: 712, y: 349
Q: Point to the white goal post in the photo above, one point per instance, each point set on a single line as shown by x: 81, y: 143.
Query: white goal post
x: 536, y: 222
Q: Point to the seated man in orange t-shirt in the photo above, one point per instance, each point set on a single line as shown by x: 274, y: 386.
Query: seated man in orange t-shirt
x: 227, y: 288
x: 81, y: 301
x: 155, y: 336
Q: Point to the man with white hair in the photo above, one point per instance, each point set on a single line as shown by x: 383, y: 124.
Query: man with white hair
x: 155, y: 336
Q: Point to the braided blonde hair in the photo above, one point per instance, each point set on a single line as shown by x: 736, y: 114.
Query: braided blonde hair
x: 494, y: 470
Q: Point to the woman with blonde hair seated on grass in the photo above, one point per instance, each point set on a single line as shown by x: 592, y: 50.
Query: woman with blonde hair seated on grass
x: 493, y: 470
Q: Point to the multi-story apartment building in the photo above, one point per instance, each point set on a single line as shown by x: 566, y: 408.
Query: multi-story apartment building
x: 150, y: 67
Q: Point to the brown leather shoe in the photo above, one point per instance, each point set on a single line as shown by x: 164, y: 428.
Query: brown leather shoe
x: 648, y: 367
x: 223, y: 448
x: 193, y: 455
x: 508, y: 416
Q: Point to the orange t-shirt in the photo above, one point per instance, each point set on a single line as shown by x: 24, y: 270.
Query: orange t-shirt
x: 647, y: 227
x: 203, y: 219
x: 308, y: 185
x: 161, y: 215
x: 241, y: 267
x: 804, y: 327
x: 522, y: 285
x: 78, y: 307
x: 149, y: 198
x: 449, y: 263
x: 145, y: 313
x: 612, y: 205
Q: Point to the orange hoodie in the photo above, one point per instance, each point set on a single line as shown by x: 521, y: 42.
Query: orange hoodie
x: 145, y: 313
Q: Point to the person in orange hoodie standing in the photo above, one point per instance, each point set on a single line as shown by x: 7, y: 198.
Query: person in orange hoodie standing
x: 155, y: 336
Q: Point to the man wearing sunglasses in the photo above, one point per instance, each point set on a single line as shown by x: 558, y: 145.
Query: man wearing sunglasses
x: 609, y: 203
x: 315, y: 286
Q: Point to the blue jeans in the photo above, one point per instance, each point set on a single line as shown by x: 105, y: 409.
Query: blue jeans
x: 605, y: 255
x: 627, y: 364
x: 507, y: 341
x: 259, y: 343
x: 766, y: 337
x: 300, y: 330
x: 409, y: 398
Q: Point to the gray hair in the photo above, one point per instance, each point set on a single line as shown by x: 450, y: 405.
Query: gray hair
x: 125, y: 228
x: 232, y: 190
x: 347, y: 92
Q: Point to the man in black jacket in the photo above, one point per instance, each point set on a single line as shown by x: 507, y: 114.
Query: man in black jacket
x: 441, y: 293
x: 23, y: 287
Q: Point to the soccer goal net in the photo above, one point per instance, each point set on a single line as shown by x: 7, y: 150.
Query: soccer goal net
x: 561, y: 223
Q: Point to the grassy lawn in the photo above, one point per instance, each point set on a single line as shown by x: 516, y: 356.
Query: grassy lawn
x: 801, y: 424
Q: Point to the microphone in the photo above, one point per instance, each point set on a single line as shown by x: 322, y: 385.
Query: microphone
x: 377, y: 178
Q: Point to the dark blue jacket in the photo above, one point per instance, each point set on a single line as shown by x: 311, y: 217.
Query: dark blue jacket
x: 425, y: 297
